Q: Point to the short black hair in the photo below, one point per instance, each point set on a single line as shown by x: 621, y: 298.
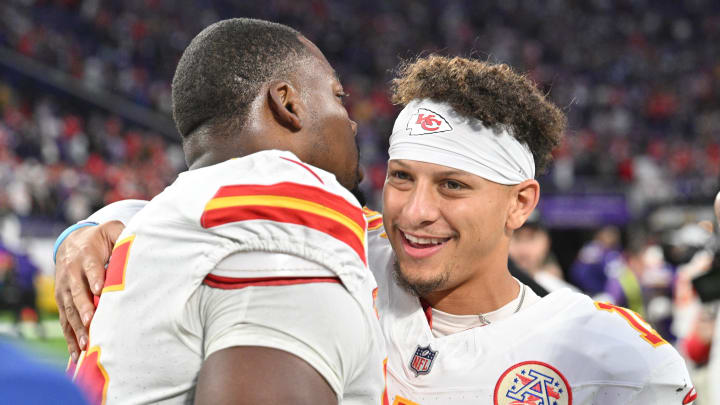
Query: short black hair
x: 223, y: 68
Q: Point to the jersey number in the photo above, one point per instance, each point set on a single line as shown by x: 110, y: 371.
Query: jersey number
x: 91, y: 375
x: 637, y: 323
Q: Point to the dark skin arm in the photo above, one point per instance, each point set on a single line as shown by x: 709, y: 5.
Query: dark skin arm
x: 80, y: 274
x: 249, y: 375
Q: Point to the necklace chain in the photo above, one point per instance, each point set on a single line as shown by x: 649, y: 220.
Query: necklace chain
x: 486, y: 321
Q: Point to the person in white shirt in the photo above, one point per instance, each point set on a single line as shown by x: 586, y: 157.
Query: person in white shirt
x: 246, y: 280
x: 458, y: 327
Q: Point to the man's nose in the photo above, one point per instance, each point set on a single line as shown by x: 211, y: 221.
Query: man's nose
x: 422, y: 207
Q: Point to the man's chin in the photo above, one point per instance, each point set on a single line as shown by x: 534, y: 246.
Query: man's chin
x: 416, y: 286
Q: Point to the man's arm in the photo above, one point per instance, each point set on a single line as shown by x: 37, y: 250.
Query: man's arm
x: 80, y: 269
x: 282, y: 340
x: 259, y: 375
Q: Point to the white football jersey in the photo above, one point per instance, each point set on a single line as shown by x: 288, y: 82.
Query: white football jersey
x: 564, y: 349
x: 172, y: 296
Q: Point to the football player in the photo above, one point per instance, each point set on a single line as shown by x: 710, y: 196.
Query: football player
x: 464, y: 153
x: 246, y: 280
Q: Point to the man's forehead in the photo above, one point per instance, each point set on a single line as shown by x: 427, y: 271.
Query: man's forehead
x: 432, y: 167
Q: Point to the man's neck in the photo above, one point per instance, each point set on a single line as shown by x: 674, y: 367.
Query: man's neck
x: 490, y: 288
x: 203, y: 148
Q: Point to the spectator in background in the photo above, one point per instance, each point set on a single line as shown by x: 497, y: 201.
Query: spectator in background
x: 17, y: 288
x: 690, y: 245
x: 641, y: 280
x: 714, y: 364
x: 530, y: 250
x: 623, y: 287
x: 589, y: 272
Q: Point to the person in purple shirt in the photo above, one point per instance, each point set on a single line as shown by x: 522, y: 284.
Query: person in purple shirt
x: 17, y: 285
x: 589, y: 272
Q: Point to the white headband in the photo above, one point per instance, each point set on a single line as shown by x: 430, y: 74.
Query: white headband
x: 433, y: 132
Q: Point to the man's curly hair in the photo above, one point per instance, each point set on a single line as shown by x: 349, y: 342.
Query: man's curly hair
x: 491, y: 93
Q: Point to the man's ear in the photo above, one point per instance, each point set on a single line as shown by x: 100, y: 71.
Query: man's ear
x: 526, y: 196
x: 286, y: 105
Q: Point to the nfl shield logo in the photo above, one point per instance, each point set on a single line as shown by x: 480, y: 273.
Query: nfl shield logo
x: 422, y: 360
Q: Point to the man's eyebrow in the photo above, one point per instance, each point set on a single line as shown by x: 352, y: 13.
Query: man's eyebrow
x: 452, y: 172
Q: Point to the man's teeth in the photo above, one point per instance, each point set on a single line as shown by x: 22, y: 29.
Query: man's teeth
x: 425, y: 241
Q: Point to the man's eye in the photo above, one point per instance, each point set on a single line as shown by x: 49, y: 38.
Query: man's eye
x: 400, y: 175
x: 454, y: 185
x: 342, y: 96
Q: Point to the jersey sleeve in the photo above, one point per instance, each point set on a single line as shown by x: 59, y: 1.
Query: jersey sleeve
x: 316, y: 320
x: 668, y: 384
x: 122, y: 211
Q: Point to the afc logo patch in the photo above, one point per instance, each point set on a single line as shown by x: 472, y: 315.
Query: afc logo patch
x: 532, y: 383
x: 422, y: 360
x: 427, y: 122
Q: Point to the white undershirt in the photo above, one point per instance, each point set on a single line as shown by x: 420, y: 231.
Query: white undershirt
x: 444, y: 324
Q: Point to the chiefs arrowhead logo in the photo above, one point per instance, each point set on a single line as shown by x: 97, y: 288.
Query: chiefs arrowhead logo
x: 427, y: 122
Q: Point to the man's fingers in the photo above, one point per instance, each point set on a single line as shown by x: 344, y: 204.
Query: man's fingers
x: 76, y: 324
x: 99, y: 242
x: 112, y: 231
x: 82, y: 299
x: 94, y: 271
x: 72, y: 344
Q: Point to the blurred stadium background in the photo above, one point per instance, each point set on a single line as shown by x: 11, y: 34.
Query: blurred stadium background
x: 626, y: 208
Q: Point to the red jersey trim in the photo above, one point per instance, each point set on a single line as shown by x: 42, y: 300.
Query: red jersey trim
x: 231, y: 283
x: 292, y: 203
x: 427, y: 310
x: 287, y: 215
x: 690, y: 397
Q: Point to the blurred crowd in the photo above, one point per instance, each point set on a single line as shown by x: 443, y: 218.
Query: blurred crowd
x: 637, y: 79
x: 672, y: 280
x: 60, y: 163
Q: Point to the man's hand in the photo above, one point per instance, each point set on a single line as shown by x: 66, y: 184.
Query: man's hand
x: 80, y: 273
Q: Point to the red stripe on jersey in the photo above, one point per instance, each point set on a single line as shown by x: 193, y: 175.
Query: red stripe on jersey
x: 690, y: 397
x: 427, y: 309
x: 304, y: 166
x: 287, y: 215
x: 375, y: 224
x: 231, y: 283
x: 300, y: 191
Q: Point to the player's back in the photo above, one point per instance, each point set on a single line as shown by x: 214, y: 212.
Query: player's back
x: 156, y: 320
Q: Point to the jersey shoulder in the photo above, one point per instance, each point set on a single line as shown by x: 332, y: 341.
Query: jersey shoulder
x: 620, y: 344
x: 269, y: 201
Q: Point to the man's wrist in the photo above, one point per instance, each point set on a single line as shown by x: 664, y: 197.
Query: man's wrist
x: 67, y: 232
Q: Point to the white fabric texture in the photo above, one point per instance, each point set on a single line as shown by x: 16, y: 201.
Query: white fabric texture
x: 444, y: 324
x: 319, y: 323
x: 266, y: 265
x: 433, y: 132
x: 122, y: 211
